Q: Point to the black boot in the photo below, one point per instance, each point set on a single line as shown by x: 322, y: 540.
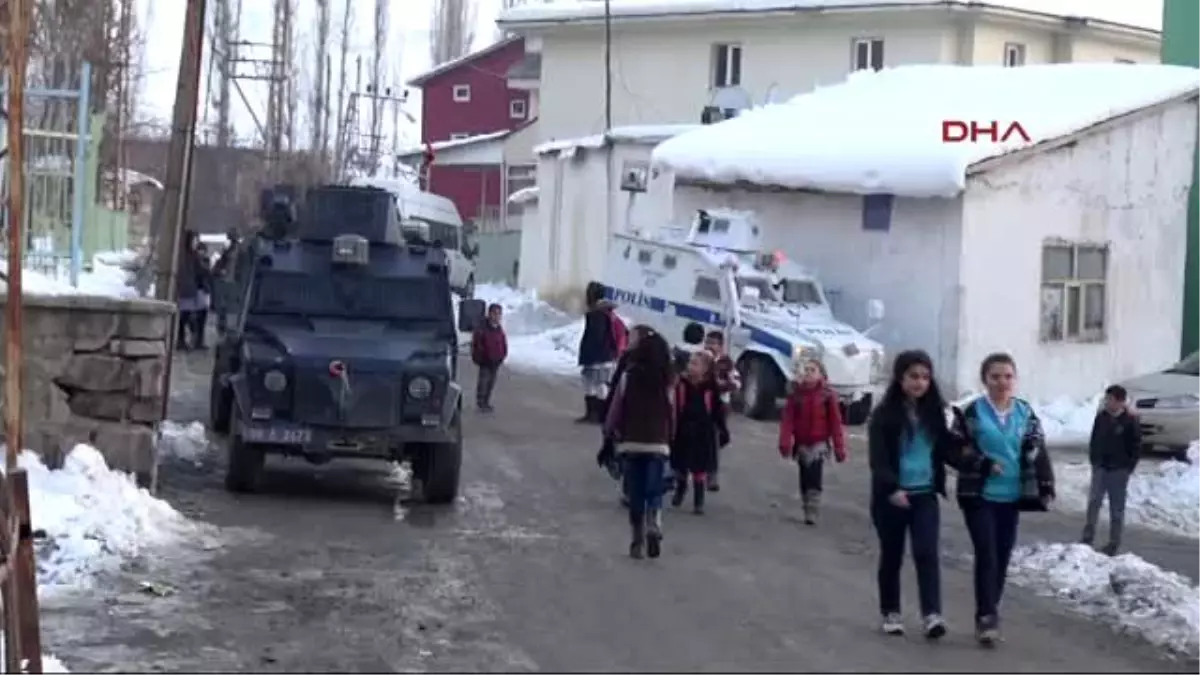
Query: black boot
x: 654, y: 534
x: 637, y: 545
x: 681, y: 481
x: 699, y: 490
x: 590, y: 411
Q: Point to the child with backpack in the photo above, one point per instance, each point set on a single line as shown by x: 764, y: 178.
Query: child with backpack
x: 700, y: 429
x: 811, y: 425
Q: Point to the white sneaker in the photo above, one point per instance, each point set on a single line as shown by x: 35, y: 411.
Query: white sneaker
x: 893, y: 624
x: 935, y: 626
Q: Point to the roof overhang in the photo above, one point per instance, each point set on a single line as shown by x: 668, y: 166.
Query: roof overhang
x: 485, y: 149
x: 440, y: 69
x: 537, y: 18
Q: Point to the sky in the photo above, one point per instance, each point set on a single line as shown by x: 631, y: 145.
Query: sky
x: 407, y: 54
x: 408, y: 45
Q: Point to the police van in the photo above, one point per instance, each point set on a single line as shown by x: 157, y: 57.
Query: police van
x: 773, y: 312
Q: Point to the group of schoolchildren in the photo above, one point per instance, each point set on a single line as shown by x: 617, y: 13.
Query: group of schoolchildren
x: 664, y: 414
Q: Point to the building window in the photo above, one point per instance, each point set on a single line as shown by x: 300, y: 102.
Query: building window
x: 708, y: 289
x: 1014, y: 54
x: 645, y: 256
x: 462, y: 93
x: 1125, y: 61
x: 727, y: 66
x: 868, y: 54
x: 458, y: 136
x: 877, y: 212
x: 521, y: 176
x: 516, y: 109
x: 1073, y: 292
x: 669, y: 262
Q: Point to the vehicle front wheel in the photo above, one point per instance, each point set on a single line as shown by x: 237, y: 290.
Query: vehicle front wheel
x: 761, y: 387
x: 245, y: 463
x: 857, y: 413
x: 439, y: 466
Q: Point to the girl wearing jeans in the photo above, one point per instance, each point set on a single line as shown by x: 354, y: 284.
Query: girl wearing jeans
x: 909, y: 443
x: 1011, y: 473
x: 640, y: 421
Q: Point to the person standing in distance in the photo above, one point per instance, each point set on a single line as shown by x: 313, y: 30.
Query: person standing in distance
x: 1113, y: 452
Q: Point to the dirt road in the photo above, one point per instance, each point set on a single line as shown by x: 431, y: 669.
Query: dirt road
x: 324, y: 571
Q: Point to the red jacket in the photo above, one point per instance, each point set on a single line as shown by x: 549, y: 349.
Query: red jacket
x: 812, y: 416
x: 489, y: 345
x: 620, y: 334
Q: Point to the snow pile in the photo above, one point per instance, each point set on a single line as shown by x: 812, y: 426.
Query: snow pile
x: 93, y: 517
x: 1065, y: 421
x: 188, y: 442
x: 580, y: 10
x: 1126, y: 591
x: 108, y: 278
x: 646, y: 134
x: 835, y: 138
x: 1163, y: 495
x: 540, y: 337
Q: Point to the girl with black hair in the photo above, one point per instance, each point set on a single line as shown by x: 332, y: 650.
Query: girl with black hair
x: 909, y: 444
x: 1013, y: 474
x: 602, y: 342
x: 641, y: 421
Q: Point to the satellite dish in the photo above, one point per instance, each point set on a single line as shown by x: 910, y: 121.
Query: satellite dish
x: 725, y: 103
x: 772, y: 95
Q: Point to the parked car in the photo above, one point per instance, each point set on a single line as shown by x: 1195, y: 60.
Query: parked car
x: 1168, y: 405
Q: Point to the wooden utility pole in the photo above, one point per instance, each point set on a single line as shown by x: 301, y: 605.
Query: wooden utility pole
x: 22, y: 635
x: 179, y: 153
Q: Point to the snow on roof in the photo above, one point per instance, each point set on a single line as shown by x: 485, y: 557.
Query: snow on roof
x: 565, y: 11
x: 524, y: 195
x: 881, y: 132
x: 458, y: 142
x: 421, y: 79
x: 647, y: 134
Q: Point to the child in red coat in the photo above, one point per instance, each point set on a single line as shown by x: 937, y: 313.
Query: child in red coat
x: 489, y: 348
x: 810, y: 426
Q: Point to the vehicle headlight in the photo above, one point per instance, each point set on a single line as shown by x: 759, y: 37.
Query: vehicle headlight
x: 1182, y: 401
x: 420, y: 388
x: 805, y: 352
x: 275, y: 381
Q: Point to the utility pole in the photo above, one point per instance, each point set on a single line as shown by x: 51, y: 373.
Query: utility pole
x: 179, y: 156
x: 607, y: 66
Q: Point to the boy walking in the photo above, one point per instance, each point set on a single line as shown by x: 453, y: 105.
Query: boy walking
x: 1114, y: 451
x: 489, y: 348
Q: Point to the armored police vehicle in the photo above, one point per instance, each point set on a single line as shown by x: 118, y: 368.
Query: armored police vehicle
x: 773, y: 312
x: 341, y: 343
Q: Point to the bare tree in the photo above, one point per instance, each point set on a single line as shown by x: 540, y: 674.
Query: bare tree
x: 319, y: 101
x: 453, y: 29
x: 339, y: 151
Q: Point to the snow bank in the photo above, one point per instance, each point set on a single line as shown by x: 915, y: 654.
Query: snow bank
x: 1164, y: 496
x: 580, y: 10
x: 540, y: 337
x: 835, y: 139
x: 188, y: 442
x: 1126, y: 591
x: 107, y: 278
x: 93, y: 517
x: 1065, y: 421
x: 648, y: 134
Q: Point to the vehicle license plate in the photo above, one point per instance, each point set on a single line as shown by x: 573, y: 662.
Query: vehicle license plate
x: 282, y: 435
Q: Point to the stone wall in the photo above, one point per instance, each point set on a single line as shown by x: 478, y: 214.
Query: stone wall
x: 95, y: 373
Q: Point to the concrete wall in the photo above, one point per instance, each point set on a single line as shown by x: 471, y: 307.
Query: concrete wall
x: 94, y: 373
x: 1127, y: 187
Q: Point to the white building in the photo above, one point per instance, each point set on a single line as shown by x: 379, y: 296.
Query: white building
x: 670, y: 57
x: 1066, y: 251
x: 588, y: 188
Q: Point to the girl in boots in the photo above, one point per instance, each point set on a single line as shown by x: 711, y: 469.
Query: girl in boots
x: 640, y: 422
x: 810, y: 426
x: 603, y: 340
x: 909, y: 444
x: 1011, y: 473
x: 699, y: 429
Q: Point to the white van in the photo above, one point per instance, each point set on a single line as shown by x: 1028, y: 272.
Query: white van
x: 434, y: 218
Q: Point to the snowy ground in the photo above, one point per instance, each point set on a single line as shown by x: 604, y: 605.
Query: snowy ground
x: 540, y: 337
x: 1162, y: 495
x: 187, y: 442
x: 1125, y: 591
x: 107, y: 278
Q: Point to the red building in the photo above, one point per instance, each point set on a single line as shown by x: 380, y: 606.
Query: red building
x: 468, y: 111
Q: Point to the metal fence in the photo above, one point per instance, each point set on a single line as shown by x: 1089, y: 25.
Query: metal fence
x: 57, y: 169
